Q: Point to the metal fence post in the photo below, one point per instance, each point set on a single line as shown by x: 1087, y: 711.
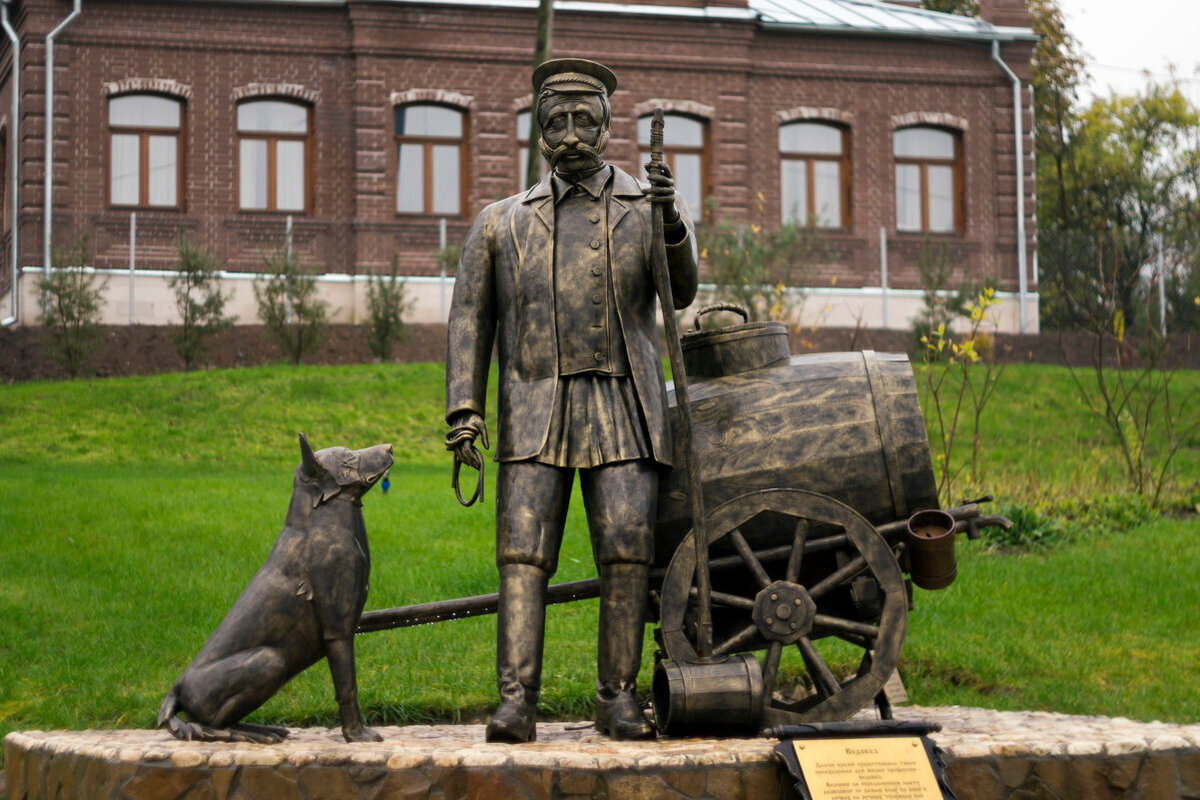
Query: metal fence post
x: 132, y: 260
x: 883, y: 273
x: 442, y: 266
x: 287, y: 245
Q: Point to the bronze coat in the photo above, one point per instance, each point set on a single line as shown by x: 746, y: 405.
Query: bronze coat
x: 505, y: 285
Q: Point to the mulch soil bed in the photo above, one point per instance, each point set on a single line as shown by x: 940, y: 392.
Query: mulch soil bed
x: 145, y: 349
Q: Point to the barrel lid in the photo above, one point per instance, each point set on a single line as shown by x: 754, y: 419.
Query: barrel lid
x: 693, y: 340
x: 737, y: 348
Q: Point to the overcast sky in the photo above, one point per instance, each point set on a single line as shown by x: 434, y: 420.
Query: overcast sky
x: 1121, y: 38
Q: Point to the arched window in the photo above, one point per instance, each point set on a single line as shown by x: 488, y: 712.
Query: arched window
x: 274, y: 155
x: 523, y: 149
x: 814, y: 174
x: 685, y: 148
x: 929, y: 183
x: 145, y: 164
x: 430, y: 160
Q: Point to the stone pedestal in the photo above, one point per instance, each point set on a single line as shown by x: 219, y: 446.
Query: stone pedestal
x: 989, y: 755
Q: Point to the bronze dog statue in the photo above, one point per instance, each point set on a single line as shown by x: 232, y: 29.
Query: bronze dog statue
x: 304, y: 603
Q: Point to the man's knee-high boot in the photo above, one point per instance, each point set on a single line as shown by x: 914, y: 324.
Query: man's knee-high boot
x: 623, y: 595
x: 520, y: 632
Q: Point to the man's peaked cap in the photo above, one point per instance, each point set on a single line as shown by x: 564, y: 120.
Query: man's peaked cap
x: 574, y: 75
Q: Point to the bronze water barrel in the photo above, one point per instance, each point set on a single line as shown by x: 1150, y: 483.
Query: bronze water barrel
x: 847, y: 425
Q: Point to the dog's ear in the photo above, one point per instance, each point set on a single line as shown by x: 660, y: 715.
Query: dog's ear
x: 312, y: 467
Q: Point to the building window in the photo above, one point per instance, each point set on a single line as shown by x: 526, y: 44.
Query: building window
x: 685, y: 148
x: 814, y: 175
x: 145, y: 160
x: 430, y: 160
x: 523, y: 150
x: 929, y: 181
x: 274, y: 155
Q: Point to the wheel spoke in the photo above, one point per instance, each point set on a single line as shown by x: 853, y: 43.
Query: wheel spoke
x: 840, y: 576
x: 839, y: 625
x: 744, y: 636
x: 751, y: 561
x: 798, y: 540
x: 724, y: 599
x: 826, y: 683
x: 770, y: 669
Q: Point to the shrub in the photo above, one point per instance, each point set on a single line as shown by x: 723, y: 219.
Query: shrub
x: 288, y: 305
x: 387, y: 302
x: 760, y: 269
x: 199, y: 299
x: 71, y: 304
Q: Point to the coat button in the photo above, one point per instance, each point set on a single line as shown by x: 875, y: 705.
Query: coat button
x: 598, y: 356
x: 595, y: 244
x: 594, y: 218
x: 596, y: 270
x: 596, y: 299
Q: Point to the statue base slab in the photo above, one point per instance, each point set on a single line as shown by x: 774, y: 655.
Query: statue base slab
x: 989, y: 754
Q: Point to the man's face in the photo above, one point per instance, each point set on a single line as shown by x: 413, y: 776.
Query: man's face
x: 574, y: 133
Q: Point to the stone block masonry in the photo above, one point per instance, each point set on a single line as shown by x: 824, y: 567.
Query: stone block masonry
x: 990, y: 755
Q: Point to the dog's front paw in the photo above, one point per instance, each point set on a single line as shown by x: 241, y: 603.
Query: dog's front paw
x: 361, y: 735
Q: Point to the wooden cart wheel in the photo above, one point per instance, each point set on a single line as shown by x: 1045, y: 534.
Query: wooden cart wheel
x: 795, y: 594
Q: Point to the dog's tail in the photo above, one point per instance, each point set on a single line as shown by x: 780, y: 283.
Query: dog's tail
x: 169, y: 707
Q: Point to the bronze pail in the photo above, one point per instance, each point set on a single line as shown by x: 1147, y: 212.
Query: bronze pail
x: 721, y: 696
x: 930, y: 539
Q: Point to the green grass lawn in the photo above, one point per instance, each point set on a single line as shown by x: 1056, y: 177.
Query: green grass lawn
x: 134, y: 510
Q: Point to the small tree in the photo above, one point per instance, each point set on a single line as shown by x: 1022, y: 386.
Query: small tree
x: 1129, y: 386
x: 387, y: 302
x: 959, y: 378
x: 941, y: 307
x: 199, y: 299
x: 288, y: 305
x: 71, y: 302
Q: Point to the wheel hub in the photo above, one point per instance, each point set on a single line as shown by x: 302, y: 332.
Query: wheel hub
x: 784, y: 612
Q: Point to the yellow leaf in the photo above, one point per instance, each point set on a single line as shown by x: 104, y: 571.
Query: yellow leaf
x: 833, y: 281
x: 704, y: 253
x: 755, y: 228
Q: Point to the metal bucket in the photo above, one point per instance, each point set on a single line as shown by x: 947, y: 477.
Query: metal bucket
x: 723, y: 696
x: 930, y: 539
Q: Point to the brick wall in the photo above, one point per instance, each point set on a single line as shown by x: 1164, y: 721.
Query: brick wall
x: 352, y: 61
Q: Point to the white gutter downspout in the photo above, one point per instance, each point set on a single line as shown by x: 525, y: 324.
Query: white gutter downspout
x: 1019, y: 133
x: 15, y: 159
x: 49, y: 154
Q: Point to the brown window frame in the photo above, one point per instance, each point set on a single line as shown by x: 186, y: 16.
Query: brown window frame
x: 427, y: 144
x: 671, y: 151
x: 144, y: 135
x: 271, y: 138
x: 924, y: 163
x: 810, y: 185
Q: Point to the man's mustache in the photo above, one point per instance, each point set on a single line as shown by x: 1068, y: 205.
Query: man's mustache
x: 582, y: 148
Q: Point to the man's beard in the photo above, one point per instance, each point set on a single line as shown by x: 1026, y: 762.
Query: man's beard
x: 554, y: 156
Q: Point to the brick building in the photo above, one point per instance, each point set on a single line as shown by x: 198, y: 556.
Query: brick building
x: 362, y: 128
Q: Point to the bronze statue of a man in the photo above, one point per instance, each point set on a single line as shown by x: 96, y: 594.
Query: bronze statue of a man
x: 561, y: 274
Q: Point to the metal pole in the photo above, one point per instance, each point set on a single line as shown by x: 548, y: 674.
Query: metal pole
x: 287, y: 246
x: 442, y: 263
x: 883, y: 272
x: 132, y: 259
x: 1162, y: 287
x: 48, y: 156
x: 15, y: 161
